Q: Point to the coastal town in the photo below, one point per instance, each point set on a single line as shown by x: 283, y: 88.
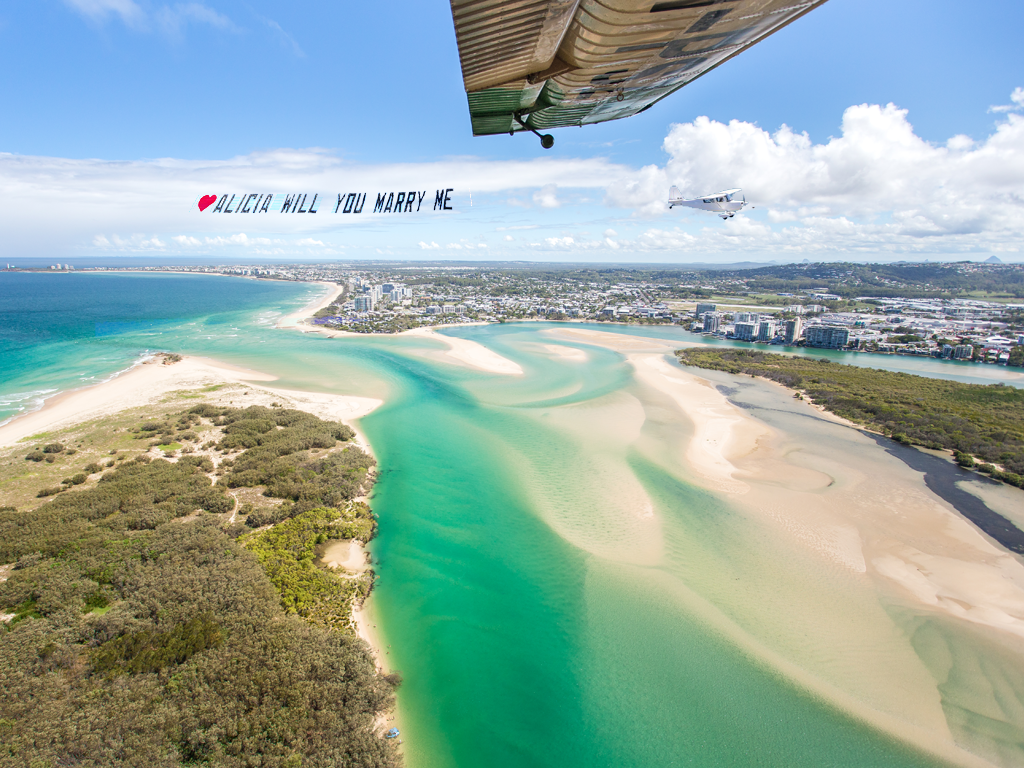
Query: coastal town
x: 842, y: 309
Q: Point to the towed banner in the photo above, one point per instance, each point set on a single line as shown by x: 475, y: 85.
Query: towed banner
x: 412, y: 201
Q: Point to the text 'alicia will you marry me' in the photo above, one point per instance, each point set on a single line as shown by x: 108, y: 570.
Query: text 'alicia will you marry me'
x: 412, y: 201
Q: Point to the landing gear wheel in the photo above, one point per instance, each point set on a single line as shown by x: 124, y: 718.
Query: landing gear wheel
x: 546, y: 139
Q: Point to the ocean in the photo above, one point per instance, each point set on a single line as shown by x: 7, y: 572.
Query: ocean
x: 553, y: 592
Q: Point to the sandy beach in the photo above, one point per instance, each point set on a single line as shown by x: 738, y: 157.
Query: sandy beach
x: 150, y: 381
x: 297, y: 319
x: 144, y: 383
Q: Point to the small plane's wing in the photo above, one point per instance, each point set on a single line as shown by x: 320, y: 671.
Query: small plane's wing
x: 557, y: 63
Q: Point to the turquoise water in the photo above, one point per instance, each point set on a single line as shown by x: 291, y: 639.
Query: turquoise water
x: 65, y: 331
x: 538, y: 618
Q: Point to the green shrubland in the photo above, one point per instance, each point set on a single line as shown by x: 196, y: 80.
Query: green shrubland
x: 146, y: 633
x: 287, y: 553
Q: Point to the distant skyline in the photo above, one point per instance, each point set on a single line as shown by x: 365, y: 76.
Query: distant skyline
x: 125, y: 111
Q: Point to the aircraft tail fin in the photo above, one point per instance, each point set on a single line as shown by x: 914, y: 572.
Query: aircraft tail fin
x: 674, y: 193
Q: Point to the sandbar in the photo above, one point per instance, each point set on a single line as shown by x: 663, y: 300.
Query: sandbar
x: 470, y: 353
x: 895, y: 527
x: 849, y: 552
x: 573, y: 354
x: 462, y: 351
x: 722, y: 432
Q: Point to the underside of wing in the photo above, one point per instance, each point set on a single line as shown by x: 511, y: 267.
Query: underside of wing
x: 537, y: 64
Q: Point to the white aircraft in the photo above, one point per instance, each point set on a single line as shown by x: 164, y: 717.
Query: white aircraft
x: 723, y: 203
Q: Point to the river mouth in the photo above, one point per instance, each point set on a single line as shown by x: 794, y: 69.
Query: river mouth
x: 559, y: 586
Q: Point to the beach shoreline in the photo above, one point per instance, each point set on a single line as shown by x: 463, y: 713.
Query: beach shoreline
x: 459, y: 351
x: 299, y: 318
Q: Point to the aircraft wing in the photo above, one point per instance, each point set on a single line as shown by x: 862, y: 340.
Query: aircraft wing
x: 559, y: 63
x: 723, y: 193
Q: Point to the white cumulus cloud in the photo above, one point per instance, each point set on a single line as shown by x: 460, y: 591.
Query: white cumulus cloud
x: 1017, y: 99
x: 884, y: 183
x: 547, y: 196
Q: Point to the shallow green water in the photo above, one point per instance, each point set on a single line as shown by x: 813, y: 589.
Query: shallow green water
x: 520, y: 647
x: 537, y: 618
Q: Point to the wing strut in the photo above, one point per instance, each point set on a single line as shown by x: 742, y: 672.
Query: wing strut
x: 546, y: 139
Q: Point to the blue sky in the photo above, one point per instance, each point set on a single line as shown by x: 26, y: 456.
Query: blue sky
x: 171, y: 100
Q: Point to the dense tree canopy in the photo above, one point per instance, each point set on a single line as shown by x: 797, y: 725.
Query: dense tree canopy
x: 144, y: 633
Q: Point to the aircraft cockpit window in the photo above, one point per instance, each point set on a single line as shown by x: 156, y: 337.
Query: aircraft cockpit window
x: 708, y: 201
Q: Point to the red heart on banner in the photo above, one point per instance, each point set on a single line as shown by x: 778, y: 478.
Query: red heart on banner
x: 206, y: 201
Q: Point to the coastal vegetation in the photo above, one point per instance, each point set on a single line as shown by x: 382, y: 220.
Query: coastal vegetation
x: 982, y: 425
x: 147, y: 622
x: 287, y: 552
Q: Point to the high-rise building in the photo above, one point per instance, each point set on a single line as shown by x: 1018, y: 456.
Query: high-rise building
x: 826, y: 337
x: 747, y: 317
x: 794, y: 328
x: 745, y: 331
x: 364, y: 303
x: 711, y: 322
x: 703, y: 309
x: 766, y: 330
x: 963, y: 352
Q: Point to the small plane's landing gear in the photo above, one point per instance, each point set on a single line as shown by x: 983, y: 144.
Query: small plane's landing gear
x: 546, y: 139
x: 726, y: 216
